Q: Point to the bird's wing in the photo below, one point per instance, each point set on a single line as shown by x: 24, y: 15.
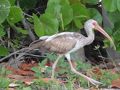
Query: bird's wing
x: 62, y: 42
x: 44, y: 37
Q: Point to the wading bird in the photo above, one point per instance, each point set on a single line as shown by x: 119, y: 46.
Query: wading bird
x: 65, y: 43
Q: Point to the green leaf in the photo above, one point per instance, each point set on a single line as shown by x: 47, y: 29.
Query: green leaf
x: 3, y: 51
x: 4, y: 10
x: 118, y: 5
x: 26, y: 88
x: 49, y: 69
x: 58, y: 8
x: 49, y: 24
x: 64, y: 2
x: 12, y: 2
x: 23, y: 31
x: 43, y: 63
x: 37, y: 26
x: 78, y: 23
x: 67, y: 14
x: 74, y: 1
x: 114, y: 17
x: 110, y: 5
x: 54, y: 9
x: 92, y: 1
x: 37, y: 71
x: 51, y: 2
x: 51, y: 56
x: 79, y: 13
x: 4, y: 82
x: 2, y: 32
x: 16, y: 14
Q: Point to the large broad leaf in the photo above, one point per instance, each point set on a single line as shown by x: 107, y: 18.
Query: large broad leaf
x: 110, y: 5
x: 91, y: 1
x: 4, y: 10
x: 51, y: 2
x: 12, y: 2
x: 64, y: 2
x: 118, y: 5
x: 16, y: 14
x: 3, y: 51
x: 67, y: 14
x: 114, y: 17
x: 47, y: 24
x: 79, y: 13
x: 78, y: 23
x: 4, y: 82
x: 2, y: 32
x: 74, y: 1
x: 54, y: 9
x: 61, y: 10
x: 37, y: 26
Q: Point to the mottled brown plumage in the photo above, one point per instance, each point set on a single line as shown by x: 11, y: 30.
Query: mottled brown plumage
x: 60, y: 44
x: 63, y: 43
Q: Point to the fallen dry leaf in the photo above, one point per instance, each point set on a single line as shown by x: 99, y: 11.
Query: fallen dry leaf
x: 17, y: 77
x: 80, y: 88
x: 97, y: 71
x: 19, y: 71
x: 27, y: 66
x: 116, y: 83
x: 26, y: 73
x: 28, y: 81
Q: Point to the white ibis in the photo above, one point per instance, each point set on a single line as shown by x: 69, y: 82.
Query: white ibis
x: 67, y: 42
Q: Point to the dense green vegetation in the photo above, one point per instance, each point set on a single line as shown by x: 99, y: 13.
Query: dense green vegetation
x: 19, y: 18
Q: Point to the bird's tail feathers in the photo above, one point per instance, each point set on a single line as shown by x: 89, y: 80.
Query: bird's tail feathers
x: 36, y: 44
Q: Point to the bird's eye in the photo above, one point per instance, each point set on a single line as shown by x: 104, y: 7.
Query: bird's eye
x: 94, y: 23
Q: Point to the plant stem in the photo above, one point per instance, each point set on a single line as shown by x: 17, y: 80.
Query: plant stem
x: 62, y: 24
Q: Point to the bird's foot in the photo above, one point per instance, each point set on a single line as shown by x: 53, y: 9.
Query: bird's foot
x: 94, y: 82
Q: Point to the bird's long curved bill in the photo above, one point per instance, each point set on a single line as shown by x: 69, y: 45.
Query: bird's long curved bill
x: 106, y: 35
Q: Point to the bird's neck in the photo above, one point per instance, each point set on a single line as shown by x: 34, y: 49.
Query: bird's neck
x: 90, y: 35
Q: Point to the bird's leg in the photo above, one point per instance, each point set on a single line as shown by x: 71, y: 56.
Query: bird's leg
x: 84, y: 76
x: 54, y: 66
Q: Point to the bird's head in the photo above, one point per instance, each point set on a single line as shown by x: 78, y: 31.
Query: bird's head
x: 95, y: 26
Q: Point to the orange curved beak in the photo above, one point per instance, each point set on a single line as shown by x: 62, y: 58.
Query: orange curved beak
x: 98, y: 28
